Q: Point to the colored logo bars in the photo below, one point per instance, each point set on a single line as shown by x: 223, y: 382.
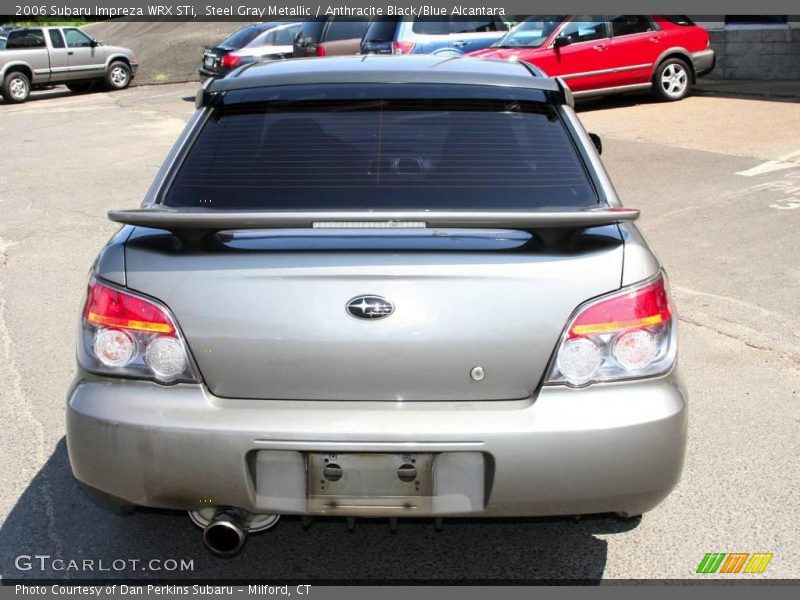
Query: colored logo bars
x: 737, y: 562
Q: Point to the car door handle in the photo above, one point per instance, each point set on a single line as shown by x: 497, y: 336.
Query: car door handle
x: 459, y: 44
x: 655, y: 39
x: 600, y: 47
x: 70, y: 53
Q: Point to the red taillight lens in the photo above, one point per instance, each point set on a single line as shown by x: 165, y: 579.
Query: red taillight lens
x: 320, y: 51
x: 126, y: 335
x: 644, y: 307
x: 625, y: 335
x: 111, y: 308
x: 402, y: 47
x: 229, y: 61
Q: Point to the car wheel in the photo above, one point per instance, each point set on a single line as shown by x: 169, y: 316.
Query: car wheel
x: 80, y: 87
x: 672, y: 80
x: 16, y: 87
x: 118, y: 76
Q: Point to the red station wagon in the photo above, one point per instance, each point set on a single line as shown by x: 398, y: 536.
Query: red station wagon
x: 602, y: 54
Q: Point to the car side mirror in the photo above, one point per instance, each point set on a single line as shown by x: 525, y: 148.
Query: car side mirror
x: 598, y: 143
x: 561, y: 41
x: 95, y: 43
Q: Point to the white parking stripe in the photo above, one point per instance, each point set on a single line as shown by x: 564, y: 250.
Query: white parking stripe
x: 782, y: 162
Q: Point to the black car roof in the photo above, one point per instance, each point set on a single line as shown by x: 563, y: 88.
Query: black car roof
x: 386, y: 70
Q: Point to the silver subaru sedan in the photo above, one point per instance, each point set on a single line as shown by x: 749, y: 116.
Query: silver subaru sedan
x: 378, y: 287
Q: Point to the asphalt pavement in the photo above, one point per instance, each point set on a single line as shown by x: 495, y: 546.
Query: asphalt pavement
x: 718, y: 183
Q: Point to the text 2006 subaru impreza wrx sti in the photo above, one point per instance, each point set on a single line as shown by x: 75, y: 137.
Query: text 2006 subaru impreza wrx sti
x: 378, y: 287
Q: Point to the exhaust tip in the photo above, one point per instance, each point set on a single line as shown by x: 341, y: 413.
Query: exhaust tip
x: 224, y: 536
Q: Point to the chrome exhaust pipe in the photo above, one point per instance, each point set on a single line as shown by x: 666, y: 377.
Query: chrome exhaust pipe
x: 226, y: 533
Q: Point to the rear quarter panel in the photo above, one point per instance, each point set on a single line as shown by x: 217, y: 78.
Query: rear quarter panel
x: 36, y: 60
x: 692, y: 38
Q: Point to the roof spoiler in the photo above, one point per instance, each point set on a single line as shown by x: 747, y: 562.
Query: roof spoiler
x: 563, y: 95
x: 194, y: 226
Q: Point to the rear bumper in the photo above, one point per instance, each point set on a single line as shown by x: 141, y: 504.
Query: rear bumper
x: 704, y: 62
x: 206, y: 73
x: 606, y: 448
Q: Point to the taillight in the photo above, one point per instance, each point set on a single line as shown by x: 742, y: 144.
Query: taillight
x: 125, y: 334
x: 320, y: 51
x: 229, y: 61
x: 113, y: 308
x: 402, y: 47
x: 628, y: 334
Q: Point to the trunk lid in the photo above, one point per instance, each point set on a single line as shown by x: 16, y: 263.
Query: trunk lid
x: 265, y: 315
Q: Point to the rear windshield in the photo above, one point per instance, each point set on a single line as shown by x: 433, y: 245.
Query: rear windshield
x: 680, y: 20
x: 26, y: 38
x: 429, y: 26
x: 242, y: 37
x: 383, y: 154
x: 310, y: 31
x: 381, y: 30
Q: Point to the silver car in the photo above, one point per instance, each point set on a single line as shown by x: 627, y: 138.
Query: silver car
x: 378, y: 287
x: 38, y: 57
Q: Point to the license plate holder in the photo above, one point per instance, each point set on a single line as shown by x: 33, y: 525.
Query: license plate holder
x: 209, y: 62
x: 342, y: 482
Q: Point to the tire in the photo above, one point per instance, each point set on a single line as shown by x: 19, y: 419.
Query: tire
x: 80, y: 87
x: 118, y: 76
x: 672, y: 80
x: 16, y: 87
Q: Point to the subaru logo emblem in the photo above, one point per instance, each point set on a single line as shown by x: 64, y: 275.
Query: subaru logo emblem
x: 369, y: 307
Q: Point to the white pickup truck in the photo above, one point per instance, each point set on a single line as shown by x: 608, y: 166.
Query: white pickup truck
x: 41, y: 56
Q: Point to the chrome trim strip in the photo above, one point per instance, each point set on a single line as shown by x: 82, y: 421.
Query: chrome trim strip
x: 614, y: 89
x: 87, y: 68
x: 604, y: 71
x: 634, y: 67
x: 588, y: 73
x: 311, y: 446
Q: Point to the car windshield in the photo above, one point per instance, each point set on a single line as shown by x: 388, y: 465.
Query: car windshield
x: 532, y: 32
x: 383, y: 154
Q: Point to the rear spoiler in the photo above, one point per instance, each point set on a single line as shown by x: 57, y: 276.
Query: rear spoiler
x: 194, y: 226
